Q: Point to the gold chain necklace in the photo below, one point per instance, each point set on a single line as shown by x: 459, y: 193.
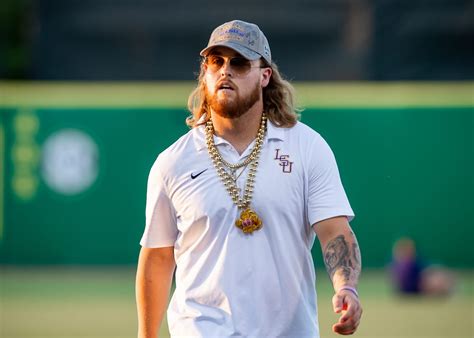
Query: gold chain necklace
x: 248, y: 221
x: 245, y: 162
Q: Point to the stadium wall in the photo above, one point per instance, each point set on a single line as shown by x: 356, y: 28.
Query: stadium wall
x: 75, y: 158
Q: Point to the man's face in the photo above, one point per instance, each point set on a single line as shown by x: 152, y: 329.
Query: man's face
x: 233, y: 83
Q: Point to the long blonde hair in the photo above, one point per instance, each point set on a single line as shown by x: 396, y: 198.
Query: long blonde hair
x: 278, y: 101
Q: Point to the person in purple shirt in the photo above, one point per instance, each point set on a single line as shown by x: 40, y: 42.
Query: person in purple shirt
x: 410, y: 275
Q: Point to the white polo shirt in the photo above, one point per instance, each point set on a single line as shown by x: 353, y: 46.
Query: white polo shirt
x: 244, y: 285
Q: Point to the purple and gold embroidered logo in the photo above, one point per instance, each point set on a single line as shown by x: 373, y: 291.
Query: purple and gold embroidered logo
x: 284, y: 161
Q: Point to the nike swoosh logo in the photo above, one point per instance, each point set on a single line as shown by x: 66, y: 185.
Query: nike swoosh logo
x: 194, y: 176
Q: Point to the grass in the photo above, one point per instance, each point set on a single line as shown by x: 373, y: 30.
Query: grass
x: 99, y: 302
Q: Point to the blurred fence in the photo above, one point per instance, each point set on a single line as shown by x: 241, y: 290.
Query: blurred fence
x: 310, y: 40
x: 75, y: 159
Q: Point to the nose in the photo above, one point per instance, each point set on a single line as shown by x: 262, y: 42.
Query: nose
x: 226, y: 69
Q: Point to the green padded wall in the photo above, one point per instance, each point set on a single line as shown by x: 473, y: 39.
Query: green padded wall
x: 408, y: 171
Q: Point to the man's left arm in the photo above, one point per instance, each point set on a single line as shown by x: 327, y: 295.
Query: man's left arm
x: 343, y: 263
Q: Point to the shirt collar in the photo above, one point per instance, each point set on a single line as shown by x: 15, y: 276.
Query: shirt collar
x: 199, y: 135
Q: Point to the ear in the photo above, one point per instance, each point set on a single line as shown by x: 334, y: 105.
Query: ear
x: 265, y: 77
x: 203, y: 67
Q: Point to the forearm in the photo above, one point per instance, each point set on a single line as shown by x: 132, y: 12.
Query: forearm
x: 341, y: 252
x: 153, y: 283
x: 342, y: 259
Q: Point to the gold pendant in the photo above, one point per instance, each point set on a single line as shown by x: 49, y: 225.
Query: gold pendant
x: 249, y: 221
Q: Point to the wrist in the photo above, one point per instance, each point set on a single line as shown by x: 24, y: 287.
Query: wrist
x: 350, y: 289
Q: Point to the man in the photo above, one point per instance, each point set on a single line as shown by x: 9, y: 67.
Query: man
x: 235, y: 205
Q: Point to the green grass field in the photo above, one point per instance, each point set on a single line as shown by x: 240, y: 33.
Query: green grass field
x: 99, y: 302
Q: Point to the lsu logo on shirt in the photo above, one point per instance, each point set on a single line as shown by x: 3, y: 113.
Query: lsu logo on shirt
x: 284, y: 161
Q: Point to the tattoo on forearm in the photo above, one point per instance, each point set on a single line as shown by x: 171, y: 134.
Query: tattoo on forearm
x: 342, y: 258
x: 356, y: 253
x: 336, y: 254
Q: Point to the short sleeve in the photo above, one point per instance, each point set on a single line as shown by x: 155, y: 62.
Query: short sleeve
x: 326, y: 195
x: 160, y: 228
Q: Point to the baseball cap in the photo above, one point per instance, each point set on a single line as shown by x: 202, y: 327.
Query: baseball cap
x: 245, y: 38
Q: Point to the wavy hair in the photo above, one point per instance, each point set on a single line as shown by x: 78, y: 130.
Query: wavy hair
x: 278, y: 101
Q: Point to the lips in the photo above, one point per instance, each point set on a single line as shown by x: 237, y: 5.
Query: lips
x: 225, y: 85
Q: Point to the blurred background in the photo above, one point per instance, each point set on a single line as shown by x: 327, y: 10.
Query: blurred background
x: 92, y: 91
x: 317, y: 40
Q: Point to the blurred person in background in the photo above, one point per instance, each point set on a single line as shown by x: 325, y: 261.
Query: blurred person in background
x: 235, y: 205
x: 410, y: 275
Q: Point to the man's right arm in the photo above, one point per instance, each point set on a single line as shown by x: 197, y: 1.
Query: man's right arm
x: 153, y: 283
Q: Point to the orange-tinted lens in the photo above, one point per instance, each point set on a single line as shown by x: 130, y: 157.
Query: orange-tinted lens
x: 239, y: 65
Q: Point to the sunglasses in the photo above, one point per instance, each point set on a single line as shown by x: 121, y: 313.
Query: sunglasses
x: 239, y: 65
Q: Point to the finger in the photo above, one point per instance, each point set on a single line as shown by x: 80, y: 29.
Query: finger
x: 347, y: 323
x: 355, y: 318
x: 352, y: 309
x: 345, y: 331
x: 342, y: 330
x: 338, y: 303
x: 352, y: 305
x: 344, y: 323
x: 348, y: 327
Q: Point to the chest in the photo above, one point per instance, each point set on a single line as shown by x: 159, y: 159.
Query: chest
x: 280, y: 187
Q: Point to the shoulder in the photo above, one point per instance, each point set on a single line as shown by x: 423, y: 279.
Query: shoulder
x: 182, y: 148
x: 306, y: 136
x: 311, y: 146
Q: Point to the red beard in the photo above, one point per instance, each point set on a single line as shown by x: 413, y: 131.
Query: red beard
x: 233, y: 108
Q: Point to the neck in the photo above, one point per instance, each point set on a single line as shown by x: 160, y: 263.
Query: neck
x: 240, y: 131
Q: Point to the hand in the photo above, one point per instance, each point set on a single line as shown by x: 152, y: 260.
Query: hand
x: 346, y: 303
